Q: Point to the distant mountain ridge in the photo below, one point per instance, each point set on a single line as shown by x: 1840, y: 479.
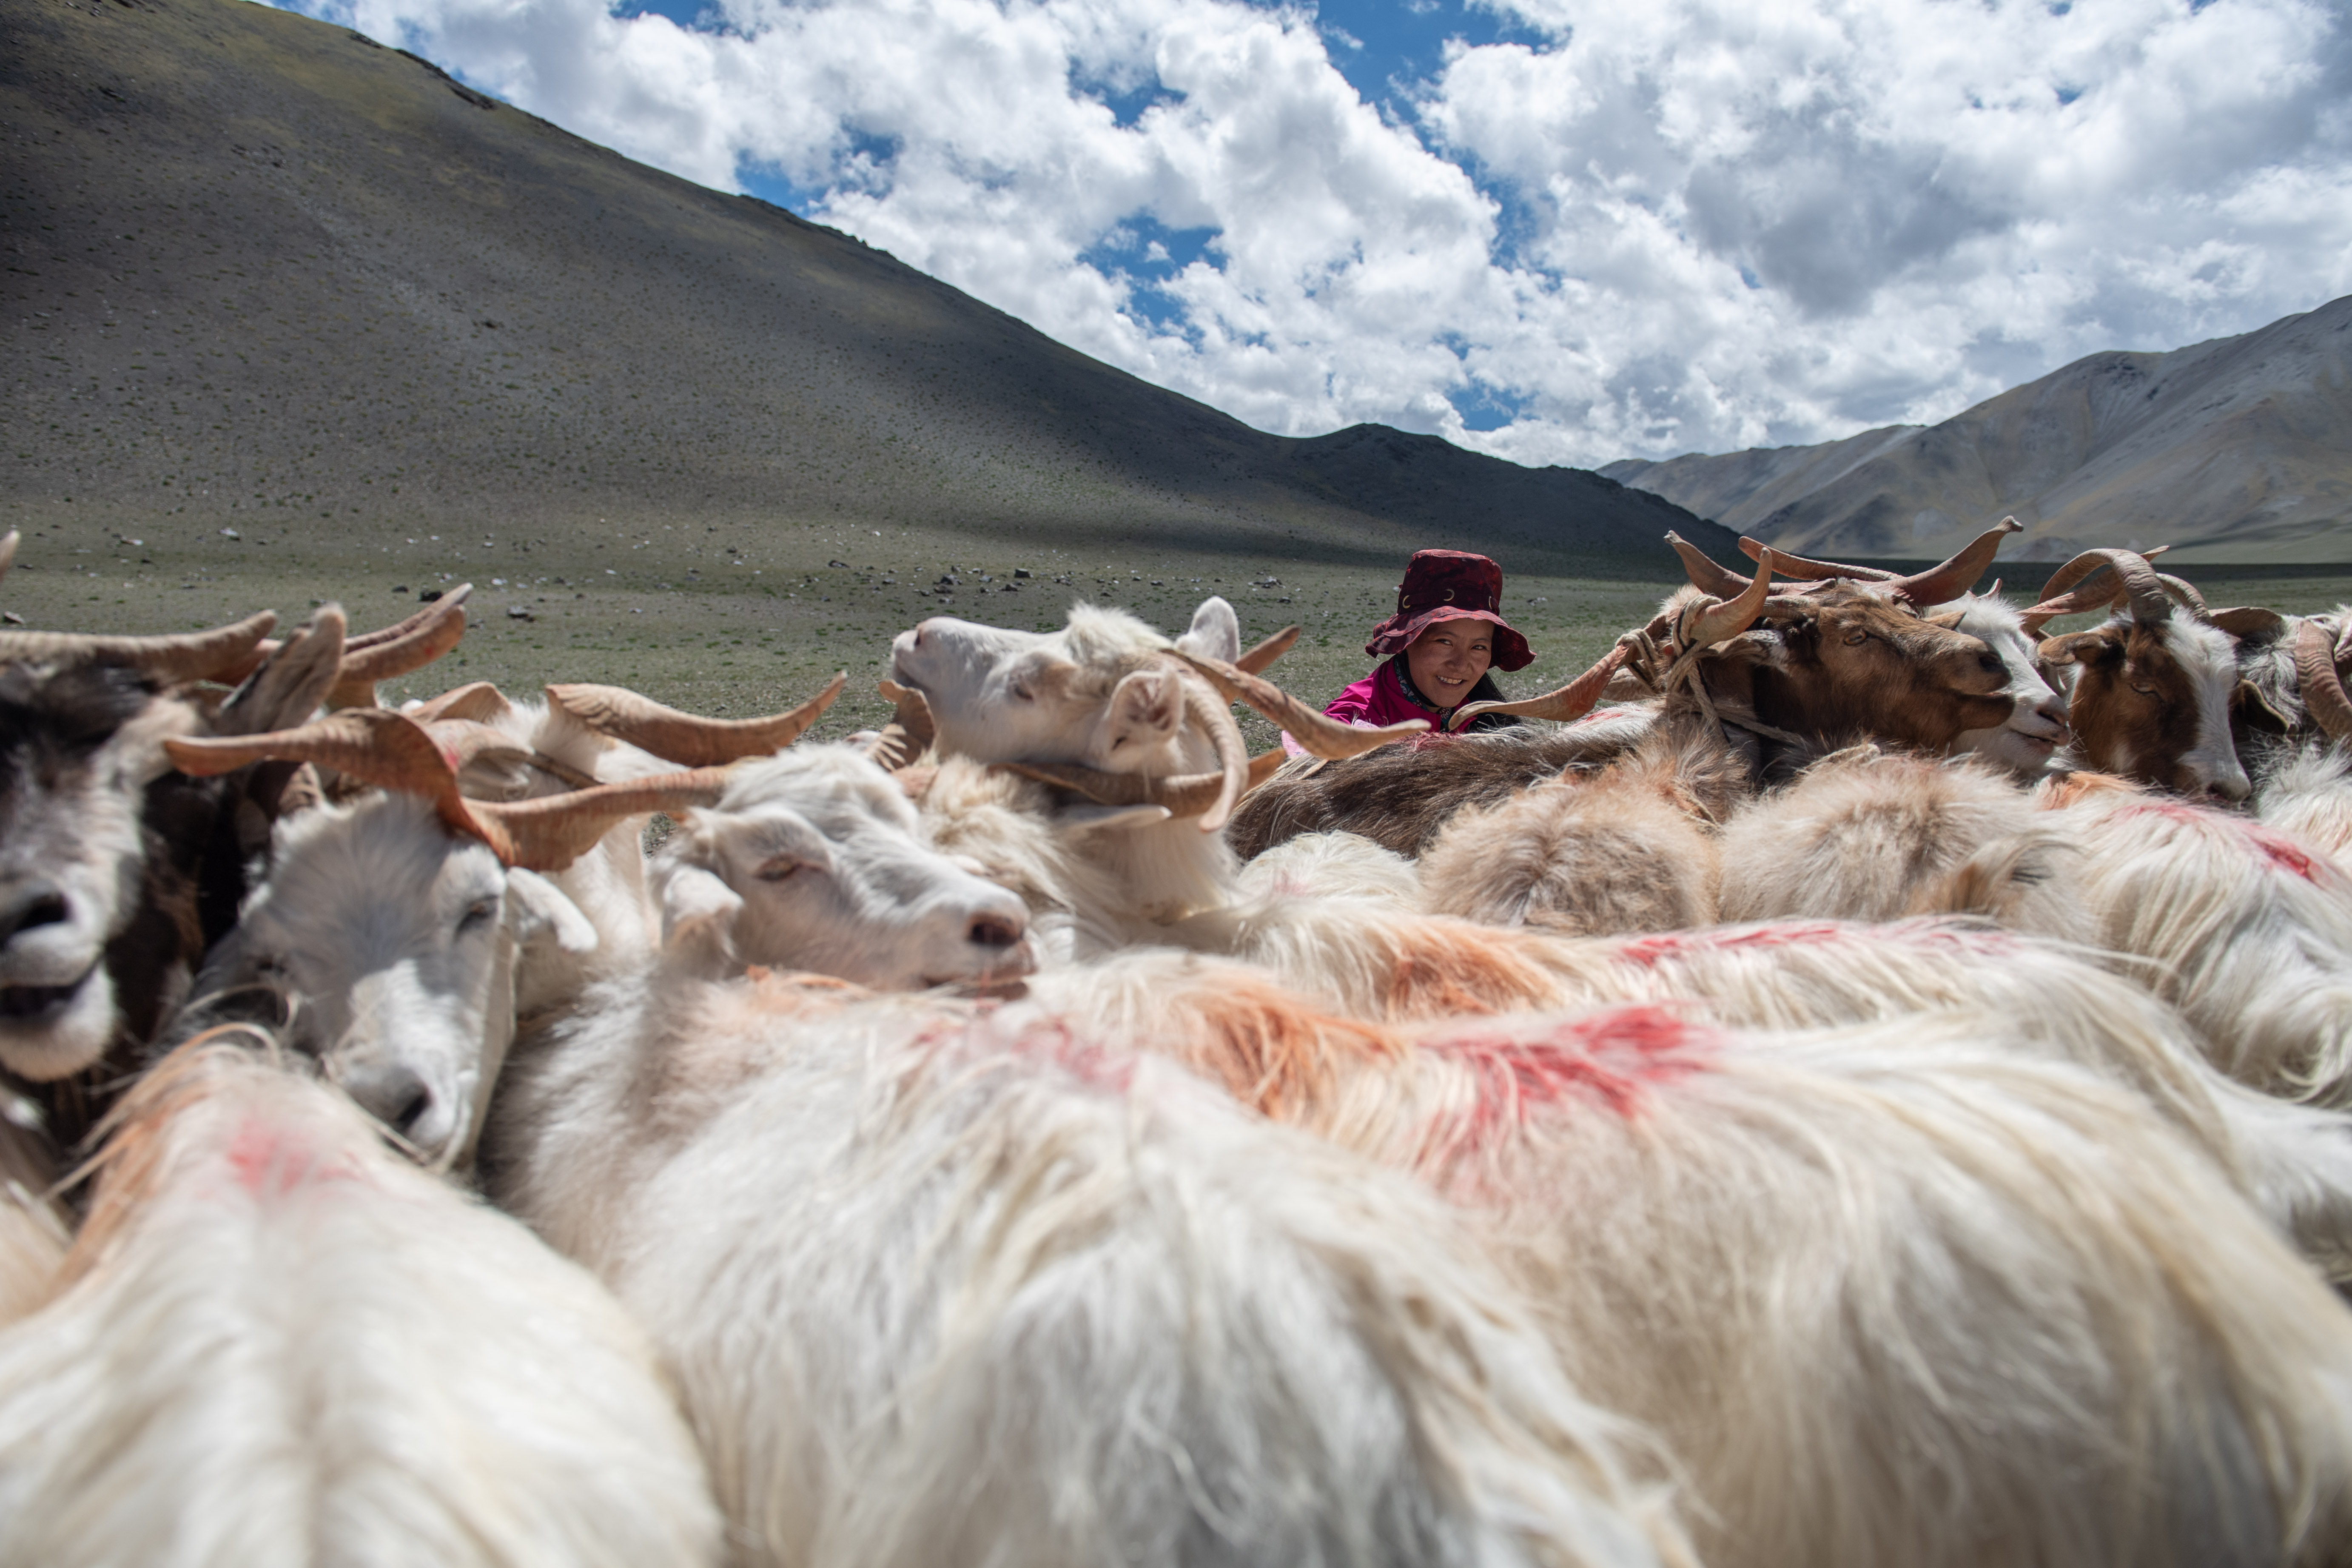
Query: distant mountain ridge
x: 262, y: 261
x: 2237, y: 449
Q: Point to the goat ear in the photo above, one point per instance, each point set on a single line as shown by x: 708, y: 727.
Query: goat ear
x: 1146, y: 707
x: 696, y: 906
x: 535, y: 905
x: 1216, y: 631
x: 2254, y: 704
x: 1947, y: 619
x: 2075, y: 647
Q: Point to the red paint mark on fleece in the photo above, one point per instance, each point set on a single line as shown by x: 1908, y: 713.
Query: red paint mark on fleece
x: 1647, y: 950
x: 2281, y: 853
x: 268, y: 1159
x: 1615, y: 1056
x: 1088, y: 1059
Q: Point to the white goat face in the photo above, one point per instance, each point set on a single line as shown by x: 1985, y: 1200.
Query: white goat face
x: 388, y: 933
x: 1085, y: 694
x: 77, y: 749
x: 814, y: 861
x: 2036, y: 726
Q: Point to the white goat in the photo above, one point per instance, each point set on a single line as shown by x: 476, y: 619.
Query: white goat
x: 2246, y: 930
x: 281, y: 1344
x: 945, y: 1288
x: 1873, y: 835
x: 1898, y: 1293
x: 2028, y: 743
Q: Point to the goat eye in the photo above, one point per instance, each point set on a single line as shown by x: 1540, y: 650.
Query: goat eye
x: 2144, y: 690
x: 478, y: 913
x: 1855, y: 640
x: 777, y: 869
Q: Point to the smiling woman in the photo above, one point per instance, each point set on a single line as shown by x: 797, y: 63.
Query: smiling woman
x: 1436, y: 650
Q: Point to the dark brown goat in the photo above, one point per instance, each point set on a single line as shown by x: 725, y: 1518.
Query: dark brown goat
x: 1400, y: 795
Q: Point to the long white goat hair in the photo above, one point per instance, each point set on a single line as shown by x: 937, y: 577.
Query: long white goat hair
x: 1374, y: 964
x: 2246, y: 930
x: 1897, y: 1294
x: 2307, y: 795
x: 33, y: 1227
x: 282, y: 1344
x: 1869, y: 835
x: 947, y: 1290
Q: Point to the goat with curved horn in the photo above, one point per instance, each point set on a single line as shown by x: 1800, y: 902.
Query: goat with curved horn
x: 686, y: 739
x: 1571, y: 701
x: 1184, y: 795
x: 2248, y: 620
x: 2324, y: 697
x: 479, y: 699
x: 1948, y: 580
x: 224, y: 654
x: 1255, y: 659
x: 1321, y: 735
x: 1704, y: 573
x: 1203, y: 706
x: 2141, y: 588
x: 395, y: 752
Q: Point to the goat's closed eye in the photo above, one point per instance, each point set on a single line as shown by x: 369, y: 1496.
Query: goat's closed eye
x: 777, y: 869
x: 478, y: 913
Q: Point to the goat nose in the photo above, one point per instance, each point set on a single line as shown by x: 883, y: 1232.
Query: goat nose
x: 997, y: 931
x: 35, y: 901
x: 393, y: 1093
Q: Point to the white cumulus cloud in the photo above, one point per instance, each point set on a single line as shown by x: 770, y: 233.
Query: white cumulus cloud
x: 1694, y: 225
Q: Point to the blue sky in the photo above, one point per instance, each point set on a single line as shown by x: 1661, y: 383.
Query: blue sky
x: 1554, y: 230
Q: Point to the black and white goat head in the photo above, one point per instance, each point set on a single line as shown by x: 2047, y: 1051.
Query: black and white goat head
x: 102, y: 846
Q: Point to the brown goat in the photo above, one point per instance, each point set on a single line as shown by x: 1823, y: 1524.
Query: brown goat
x: 1400, y: 795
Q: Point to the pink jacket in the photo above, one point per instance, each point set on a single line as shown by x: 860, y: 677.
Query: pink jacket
x: 1379, y: 699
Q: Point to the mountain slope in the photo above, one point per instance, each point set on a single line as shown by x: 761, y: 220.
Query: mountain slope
x: 2236, y: 450
x: 257, y: 261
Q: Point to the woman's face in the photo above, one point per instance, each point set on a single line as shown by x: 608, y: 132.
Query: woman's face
x: 1447, y: 659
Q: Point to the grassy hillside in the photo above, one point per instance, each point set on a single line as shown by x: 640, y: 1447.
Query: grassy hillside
x: 298, y: 317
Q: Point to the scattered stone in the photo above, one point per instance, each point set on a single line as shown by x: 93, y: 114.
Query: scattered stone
x: 428, y: 596
x: 518, y: 613
x: 1021, y: 571
x: 12, y: 617
x: 231, y: 534
x: 840, y: 563
x: 401, y: 588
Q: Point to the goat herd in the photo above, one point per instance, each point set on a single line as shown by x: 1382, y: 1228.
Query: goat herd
x: 1866, y: 1098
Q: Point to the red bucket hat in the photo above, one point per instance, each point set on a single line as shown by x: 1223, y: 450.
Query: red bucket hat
x: 1449, y: 585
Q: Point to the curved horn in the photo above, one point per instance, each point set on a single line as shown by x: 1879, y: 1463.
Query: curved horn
x: 549, y: 834
x: 1184, y: 795
x: 1803, y: 567
x: 399, y: 650
x: 1704, y: 574
x: 1255, y: 659
x: 1215, y: 715
x: 1707, y: 624
x: 224, y: 653
x: 7, y: 551
x: 1323, y: 736
x: 1573, y: 701
x: 1940, y: 585
x: 395, y: 752
x: 478, y: 700
x: 2185, y: 594
x: 2324, y: 697
x: 2149, y: 601
x: 684, y: 738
